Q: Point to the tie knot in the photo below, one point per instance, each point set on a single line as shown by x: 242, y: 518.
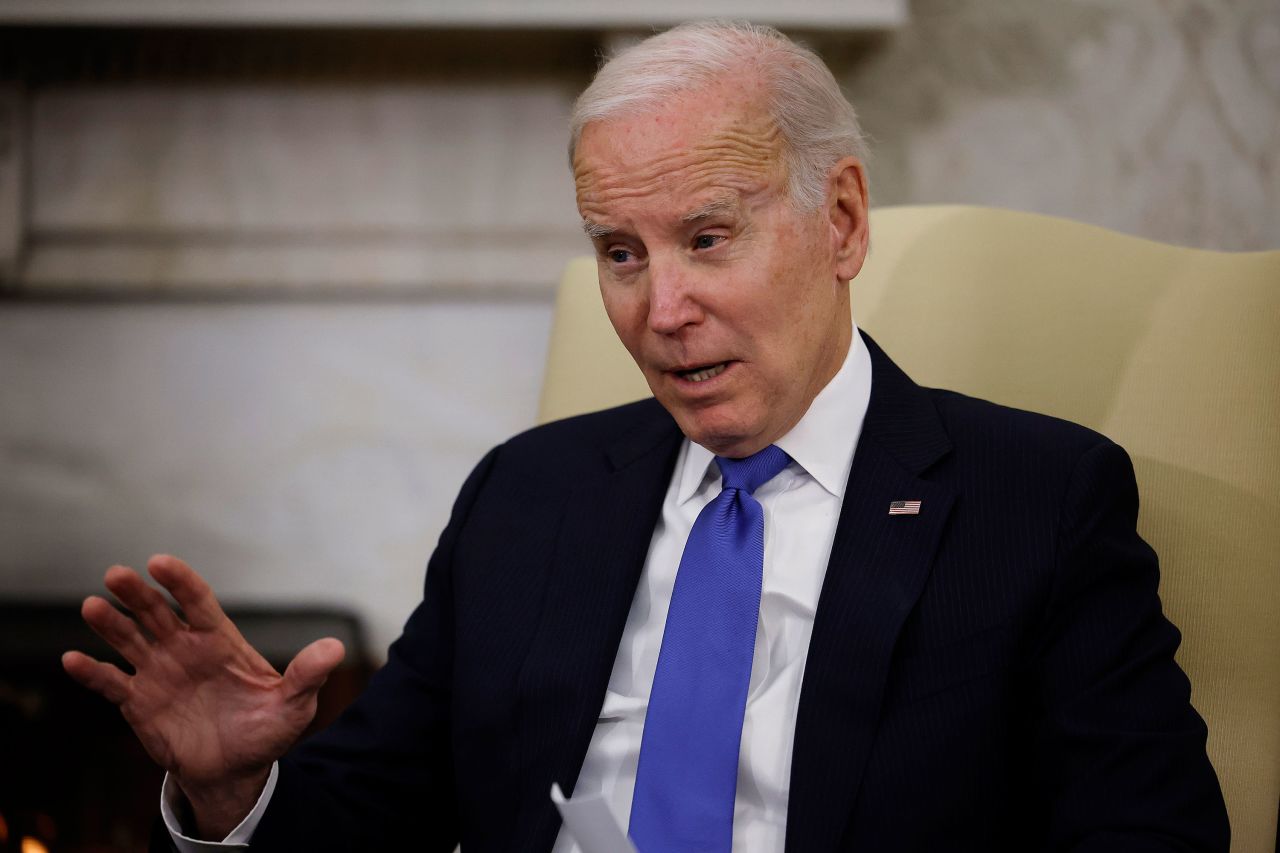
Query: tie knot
x: 752, y: 472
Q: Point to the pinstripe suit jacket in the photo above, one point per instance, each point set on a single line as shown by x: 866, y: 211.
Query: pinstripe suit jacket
x: 991, y: 674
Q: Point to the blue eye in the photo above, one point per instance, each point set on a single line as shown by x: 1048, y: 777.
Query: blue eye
x: 619, y: 256
x: 706, y: 241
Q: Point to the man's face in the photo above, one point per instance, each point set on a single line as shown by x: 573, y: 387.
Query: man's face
x: 734, y: 305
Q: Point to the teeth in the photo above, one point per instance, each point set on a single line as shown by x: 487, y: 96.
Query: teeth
x: 705, y: 374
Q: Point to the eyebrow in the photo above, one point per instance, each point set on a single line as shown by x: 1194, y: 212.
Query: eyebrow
x: 595, y: 230
x: 715, y: 207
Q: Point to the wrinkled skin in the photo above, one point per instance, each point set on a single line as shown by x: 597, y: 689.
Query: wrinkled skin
x: 207, y: 707
x: 705, y: 261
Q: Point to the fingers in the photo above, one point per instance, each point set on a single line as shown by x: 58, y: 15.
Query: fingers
x: 99, y: 677
x: 120, y: 632
x: 193, y: 595
x: 310, y: 668
x: 144, y: 601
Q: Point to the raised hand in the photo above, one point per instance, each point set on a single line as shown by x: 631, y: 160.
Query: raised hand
x: 207, y: 707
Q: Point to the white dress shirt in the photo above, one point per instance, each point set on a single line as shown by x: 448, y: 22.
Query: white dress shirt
x: 801, y: 510
x: 237, y: 839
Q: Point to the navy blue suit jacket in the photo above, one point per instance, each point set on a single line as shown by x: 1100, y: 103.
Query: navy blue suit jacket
x: 991, y: 674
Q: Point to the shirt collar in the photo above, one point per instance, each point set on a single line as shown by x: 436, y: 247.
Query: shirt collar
x: 824, y: 440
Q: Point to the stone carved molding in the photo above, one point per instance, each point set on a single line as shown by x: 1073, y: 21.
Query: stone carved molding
x: 12, y: 177
x: 250, y: 188
x: 239, y: 162
x: 581, y: 14
x: 305, y: 160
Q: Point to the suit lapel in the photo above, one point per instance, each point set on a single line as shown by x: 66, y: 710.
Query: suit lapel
x: 878, y: 568
x: 600, y: 552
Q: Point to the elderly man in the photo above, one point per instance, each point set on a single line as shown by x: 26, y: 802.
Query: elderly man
x: 797, y: 602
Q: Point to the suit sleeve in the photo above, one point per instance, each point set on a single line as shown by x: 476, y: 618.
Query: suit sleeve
x: 1121, y: 751
x: 383, y: 772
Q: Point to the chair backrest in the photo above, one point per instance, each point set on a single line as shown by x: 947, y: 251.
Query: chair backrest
x: 1172, y: 352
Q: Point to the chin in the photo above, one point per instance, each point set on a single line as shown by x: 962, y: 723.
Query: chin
x: 722, y: 439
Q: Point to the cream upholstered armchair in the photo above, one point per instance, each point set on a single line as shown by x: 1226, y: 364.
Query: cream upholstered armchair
x: 1172, y: 352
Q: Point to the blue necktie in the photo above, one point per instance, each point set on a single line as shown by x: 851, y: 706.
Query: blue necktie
x: 688, y: 771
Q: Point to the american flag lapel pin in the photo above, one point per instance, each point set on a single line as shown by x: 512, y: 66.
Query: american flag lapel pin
x: 904, y: 508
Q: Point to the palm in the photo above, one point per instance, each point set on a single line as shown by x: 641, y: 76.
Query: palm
x: 206, y: 706
x: 207, y: 703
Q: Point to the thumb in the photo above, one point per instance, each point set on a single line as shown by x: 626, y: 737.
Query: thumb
x: 310, y: 668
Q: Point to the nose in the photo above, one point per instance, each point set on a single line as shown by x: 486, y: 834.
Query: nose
x: 672, y: 298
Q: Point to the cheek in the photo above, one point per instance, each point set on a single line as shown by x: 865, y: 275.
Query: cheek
x: 793, y: 324
x: 626, y: 313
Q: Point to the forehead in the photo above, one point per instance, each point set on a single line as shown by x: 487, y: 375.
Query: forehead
x: 700, y: 144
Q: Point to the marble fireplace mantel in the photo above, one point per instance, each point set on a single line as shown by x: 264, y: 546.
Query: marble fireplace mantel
x: 185, y: 147
x: 824, y: 14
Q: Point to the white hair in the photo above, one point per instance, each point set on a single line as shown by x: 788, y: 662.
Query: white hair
x: 817, y: 123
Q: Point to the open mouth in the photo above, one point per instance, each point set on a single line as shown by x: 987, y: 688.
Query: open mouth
x: 702, y: 374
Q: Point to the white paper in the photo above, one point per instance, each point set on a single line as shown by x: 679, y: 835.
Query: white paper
x: 591, y: 823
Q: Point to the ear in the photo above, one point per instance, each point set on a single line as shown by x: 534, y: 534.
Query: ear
x: 847, y: 209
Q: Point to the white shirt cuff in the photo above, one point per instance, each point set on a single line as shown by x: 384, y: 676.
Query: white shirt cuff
x: 171, y: 795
